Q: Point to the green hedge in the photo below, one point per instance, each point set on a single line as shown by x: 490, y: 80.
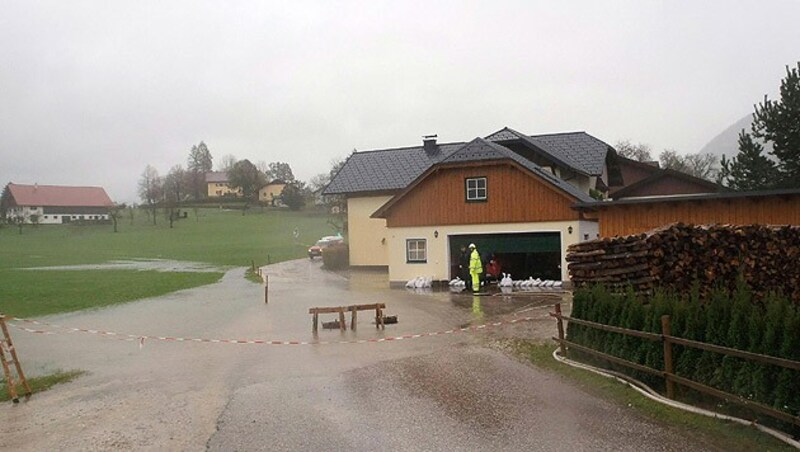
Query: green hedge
x: 336, y: 257
x: 731, y: 319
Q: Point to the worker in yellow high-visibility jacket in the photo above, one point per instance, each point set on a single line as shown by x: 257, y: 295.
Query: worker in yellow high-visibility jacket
x: 475, y: 268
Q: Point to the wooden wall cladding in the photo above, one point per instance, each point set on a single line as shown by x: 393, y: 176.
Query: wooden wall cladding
x: 513, y: 195
x: 637, y: 218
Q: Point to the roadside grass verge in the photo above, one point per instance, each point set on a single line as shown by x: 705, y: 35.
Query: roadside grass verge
x: 252, y: 276
x: 30, y: 293
x: 39, y: 384
x: 725, y: 435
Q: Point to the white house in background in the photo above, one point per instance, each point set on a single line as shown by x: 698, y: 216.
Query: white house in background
x: 55, y: 204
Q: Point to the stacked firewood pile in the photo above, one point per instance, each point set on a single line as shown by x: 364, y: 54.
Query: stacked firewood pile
x: 677, y: 256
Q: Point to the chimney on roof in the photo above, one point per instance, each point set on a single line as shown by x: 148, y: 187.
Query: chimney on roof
x: 35, y: 186
x: 429, y: 144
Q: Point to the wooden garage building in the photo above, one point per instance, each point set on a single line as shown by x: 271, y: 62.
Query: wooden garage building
x: 637, y: 215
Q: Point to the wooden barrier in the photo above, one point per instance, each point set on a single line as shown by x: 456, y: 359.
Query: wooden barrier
x: 7, y: 346
x: 353, y: 309
x: 328, y: 310
x: 668, y: 372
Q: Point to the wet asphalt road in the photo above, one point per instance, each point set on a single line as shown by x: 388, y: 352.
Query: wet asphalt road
x: 441, y: 393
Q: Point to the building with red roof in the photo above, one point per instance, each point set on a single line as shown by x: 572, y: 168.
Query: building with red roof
x: 55, y: 204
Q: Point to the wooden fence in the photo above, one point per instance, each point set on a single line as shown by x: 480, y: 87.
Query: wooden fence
x: 668, y: 373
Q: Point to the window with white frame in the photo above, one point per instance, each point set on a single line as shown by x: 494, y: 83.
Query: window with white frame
x: 416, y: 250
x: 476, y: 189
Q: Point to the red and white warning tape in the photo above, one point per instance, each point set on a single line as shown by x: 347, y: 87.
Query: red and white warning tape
x: 142, y: 338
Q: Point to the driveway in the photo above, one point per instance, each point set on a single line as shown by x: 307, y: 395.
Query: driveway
x: 446, y: 392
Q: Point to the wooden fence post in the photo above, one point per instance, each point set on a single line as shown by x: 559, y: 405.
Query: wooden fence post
x: 561, y: 337
x: 668, y: 368
x: 266, y: 288
x: 342, y: 323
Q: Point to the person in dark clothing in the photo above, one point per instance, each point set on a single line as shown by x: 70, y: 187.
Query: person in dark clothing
x: 463, y: 267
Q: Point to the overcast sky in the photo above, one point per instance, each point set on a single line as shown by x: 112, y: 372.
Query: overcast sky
x: 93, y: 91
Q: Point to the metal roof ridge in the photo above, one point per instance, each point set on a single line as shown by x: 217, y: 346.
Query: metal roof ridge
x: 405, y: 148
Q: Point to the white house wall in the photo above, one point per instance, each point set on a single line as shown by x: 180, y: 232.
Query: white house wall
x: 438, y: 258
x: 367, y: 237
x: 27, y: 211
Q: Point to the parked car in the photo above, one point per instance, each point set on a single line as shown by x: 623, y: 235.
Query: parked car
x: 316, y: 249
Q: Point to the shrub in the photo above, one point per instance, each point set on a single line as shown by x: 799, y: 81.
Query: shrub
x: 336, y: 257
x: 735, y: 319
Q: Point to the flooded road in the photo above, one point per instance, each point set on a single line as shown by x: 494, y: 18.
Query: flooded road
x: 445, y: 392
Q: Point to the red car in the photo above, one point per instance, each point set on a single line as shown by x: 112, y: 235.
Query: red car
x: 316, y: 249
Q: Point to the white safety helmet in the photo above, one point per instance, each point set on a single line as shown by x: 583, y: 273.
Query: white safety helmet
x: 472, y: 245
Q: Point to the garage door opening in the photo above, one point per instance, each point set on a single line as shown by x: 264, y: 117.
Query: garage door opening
x: 530, y: 254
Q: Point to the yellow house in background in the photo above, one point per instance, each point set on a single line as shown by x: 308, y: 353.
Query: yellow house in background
x: 217, y: 183
x: 271, y: 193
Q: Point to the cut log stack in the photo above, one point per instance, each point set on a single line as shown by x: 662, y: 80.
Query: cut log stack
x: 677, y: 256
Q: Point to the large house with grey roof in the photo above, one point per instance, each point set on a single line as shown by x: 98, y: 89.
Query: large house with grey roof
x: 412, y: 209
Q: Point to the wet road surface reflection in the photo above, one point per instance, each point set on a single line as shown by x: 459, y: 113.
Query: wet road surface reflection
x: 438, y: 393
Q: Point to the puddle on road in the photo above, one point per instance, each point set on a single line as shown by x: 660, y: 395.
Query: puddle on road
x: 162, y: 265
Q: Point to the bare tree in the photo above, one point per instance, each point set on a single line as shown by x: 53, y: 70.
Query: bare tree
x: 319, y: 182
x: 174, y: 193
x: 115, y: 213
x: 226, y: 163
x: 698, y: 165
x: 150, y: 189
x: 279, y: 171
x: 175, y: 184
x: 640, y: 152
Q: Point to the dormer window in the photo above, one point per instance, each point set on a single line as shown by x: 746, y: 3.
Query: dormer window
x: 476, y: 189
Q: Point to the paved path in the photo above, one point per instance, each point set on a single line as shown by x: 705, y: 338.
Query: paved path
x: 441, y: 393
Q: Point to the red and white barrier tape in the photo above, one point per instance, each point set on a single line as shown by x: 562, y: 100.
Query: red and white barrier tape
x: 142, y: 338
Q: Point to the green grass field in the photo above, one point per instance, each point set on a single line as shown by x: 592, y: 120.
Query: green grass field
x: 214, y: 236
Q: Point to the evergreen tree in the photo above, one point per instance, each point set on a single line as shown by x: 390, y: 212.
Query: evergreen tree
x: 294, y: 195
x: 199, y: 163
x: 750, y: 169
x: 788, y: 381
x: 778, y: 121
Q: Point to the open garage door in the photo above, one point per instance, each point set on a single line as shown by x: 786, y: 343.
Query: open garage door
x: 536, y: 254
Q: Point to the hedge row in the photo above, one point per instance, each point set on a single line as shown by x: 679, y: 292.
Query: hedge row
x: 730, y: 319
x: 336, y: 257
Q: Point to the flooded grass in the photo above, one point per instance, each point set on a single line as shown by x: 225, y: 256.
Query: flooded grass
x: 724, y: 435
x: 215, y: 237
x: 39, y: 384
x: 218, y: 237
x: 27, y: 293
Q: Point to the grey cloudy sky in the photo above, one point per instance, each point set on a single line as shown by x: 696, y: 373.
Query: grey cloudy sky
x: 93, y: 91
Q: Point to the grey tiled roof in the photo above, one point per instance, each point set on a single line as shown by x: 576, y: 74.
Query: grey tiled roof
x: 394, y: 169
x: 481, y: 149
x: 588, y: 153
x: 385, y: 170
x: 576, y: 150
x: 503, y: 135
x: 217, y: 176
